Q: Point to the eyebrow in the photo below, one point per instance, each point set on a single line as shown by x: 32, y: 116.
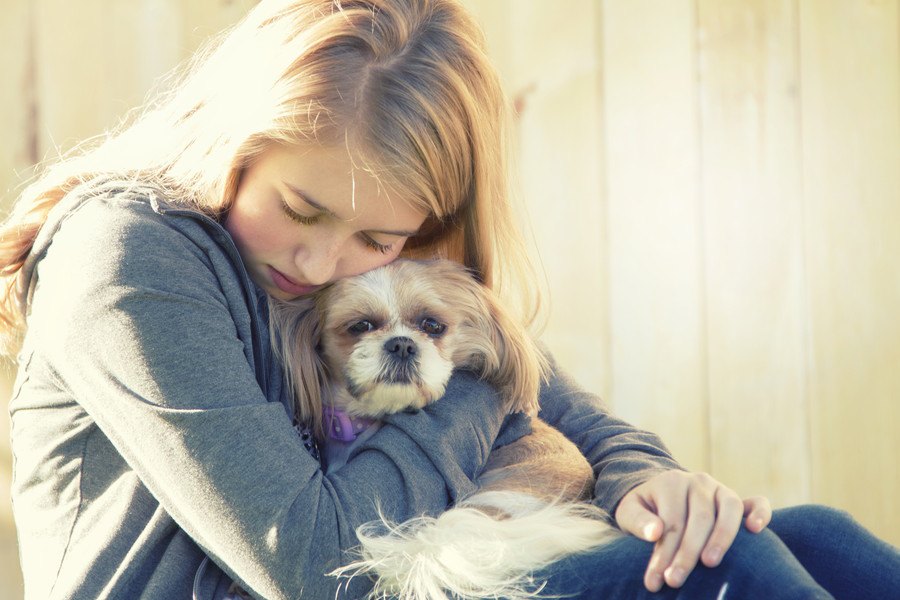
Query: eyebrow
x: 318, y: 206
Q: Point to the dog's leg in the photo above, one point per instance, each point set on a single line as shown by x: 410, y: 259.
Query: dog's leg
x: 544, y: 464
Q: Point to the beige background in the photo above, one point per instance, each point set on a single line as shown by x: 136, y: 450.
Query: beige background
x: 714, y: 186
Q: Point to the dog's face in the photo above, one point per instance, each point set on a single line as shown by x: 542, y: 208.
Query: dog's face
x: 391, y: 338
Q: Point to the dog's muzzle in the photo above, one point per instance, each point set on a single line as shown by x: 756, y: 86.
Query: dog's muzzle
x: 400, y: 348
x: 401, y: 363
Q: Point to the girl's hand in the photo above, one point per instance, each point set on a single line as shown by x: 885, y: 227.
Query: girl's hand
x: 691, y: 517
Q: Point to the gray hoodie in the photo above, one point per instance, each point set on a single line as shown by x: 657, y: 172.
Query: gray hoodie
x: 154, y: 450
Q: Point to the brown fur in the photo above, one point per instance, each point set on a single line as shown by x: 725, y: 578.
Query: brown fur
x: 544, y: 464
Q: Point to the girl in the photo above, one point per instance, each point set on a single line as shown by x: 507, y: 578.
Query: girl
x: 155, y: 453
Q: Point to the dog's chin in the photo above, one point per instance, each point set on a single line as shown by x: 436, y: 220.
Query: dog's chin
x: 375, y: 385
x: 384, y: 398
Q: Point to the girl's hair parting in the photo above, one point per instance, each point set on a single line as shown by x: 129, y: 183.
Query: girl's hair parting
x: 405, y: 85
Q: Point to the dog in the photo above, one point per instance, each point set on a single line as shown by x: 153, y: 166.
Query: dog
x: 387, y: 341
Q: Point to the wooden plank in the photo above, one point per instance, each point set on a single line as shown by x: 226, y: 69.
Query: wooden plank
x: 557, y: 84
x: 143, y: 46
x: 851, y: 174
x: 96, y: 59
x: 16, y: 100
x: 69, y: 54
x: 658, y: 352
x: 753, y: 247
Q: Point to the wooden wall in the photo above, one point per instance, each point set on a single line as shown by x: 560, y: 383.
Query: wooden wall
x: 715, y: 190
x: 714, y: 186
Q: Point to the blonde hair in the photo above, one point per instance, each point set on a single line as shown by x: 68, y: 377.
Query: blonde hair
x: 405, y: 83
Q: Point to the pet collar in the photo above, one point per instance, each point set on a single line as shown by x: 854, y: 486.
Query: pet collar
x: 343, y: 427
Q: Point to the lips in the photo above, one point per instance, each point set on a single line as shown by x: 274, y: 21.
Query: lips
x: 289, y: 286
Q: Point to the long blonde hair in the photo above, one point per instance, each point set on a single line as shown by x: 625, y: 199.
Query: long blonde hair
x: 405, y: 83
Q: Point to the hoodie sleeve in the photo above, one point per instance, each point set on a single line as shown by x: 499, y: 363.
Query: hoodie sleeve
x: 131, y: 314
x: 622, y: 455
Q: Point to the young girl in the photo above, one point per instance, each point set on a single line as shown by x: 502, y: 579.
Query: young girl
x: 155, y: 453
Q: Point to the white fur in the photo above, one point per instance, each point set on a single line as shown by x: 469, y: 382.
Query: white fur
x: 389, y: 398
x: 366, y: 364
x: 469, y: 555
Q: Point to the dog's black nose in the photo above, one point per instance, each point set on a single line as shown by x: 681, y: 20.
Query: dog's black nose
x: 401, y: 348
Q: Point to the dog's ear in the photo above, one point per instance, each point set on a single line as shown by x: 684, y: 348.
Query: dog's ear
x: 296, y: 333
x: 521, y: 366
x: 498, y: 347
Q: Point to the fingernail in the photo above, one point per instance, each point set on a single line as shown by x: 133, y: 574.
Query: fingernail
x: 648, y: 531
x: 654, y: 582
x: 715, y: 555
x: 675, y: 576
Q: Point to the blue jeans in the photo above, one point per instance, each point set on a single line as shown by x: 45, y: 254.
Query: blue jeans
x: 807, y: 552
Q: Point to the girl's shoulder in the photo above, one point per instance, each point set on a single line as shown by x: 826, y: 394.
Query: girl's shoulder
x: 105, y: 203
x: 112, y: 215
x: 125, y: 232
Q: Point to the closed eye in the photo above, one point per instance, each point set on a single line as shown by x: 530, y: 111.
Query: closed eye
x: 370, y: 243
x: 297, y: 217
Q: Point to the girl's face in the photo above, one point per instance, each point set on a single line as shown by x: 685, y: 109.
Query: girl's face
x: 303, y: 217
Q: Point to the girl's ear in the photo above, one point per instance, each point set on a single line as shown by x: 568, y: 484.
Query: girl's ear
x: 296, y: 334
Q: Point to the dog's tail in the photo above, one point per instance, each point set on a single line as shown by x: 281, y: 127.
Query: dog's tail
x: 466, y: 553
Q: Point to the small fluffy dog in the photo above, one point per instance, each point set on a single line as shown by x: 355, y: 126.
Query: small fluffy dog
x: 387, y: 341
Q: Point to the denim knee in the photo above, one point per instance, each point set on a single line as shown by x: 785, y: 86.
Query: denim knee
x: 807, y: 524
x: 759, y: 565
x: 818, y: 514
x: 842, y: 555
x: 756, y: 566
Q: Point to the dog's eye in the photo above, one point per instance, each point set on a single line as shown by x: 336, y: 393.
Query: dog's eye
x: 361, y: 327
x: 432, y: 326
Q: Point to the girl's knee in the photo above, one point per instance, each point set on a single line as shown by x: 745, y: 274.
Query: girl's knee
x: 821, y: 513
x: 759, y: 565
x: 810, y: 518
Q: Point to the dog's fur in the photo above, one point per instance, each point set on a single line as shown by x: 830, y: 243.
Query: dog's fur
x: 388, y: 340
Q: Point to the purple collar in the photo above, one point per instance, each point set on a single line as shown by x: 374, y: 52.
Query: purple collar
x: 341, y: 426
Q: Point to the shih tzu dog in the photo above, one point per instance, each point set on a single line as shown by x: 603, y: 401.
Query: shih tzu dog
x: 389, y: 340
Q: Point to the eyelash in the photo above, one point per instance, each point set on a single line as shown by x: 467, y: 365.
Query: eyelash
x: 383, y: 248
x: 296, y: 217
x: 304, y: 220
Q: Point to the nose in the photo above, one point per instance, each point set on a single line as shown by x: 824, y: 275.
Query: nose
x: 400, y: 348
x: 318, y: 263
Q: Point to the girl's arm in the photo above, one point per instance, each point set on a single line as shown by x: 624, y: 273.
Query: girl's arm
x: 133, y: 318
x: 622, y: 455
x: 689, y: 516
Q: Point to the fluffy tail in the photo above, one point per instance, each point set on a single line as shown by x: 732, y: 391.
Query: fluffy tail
x: 469, y: 554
